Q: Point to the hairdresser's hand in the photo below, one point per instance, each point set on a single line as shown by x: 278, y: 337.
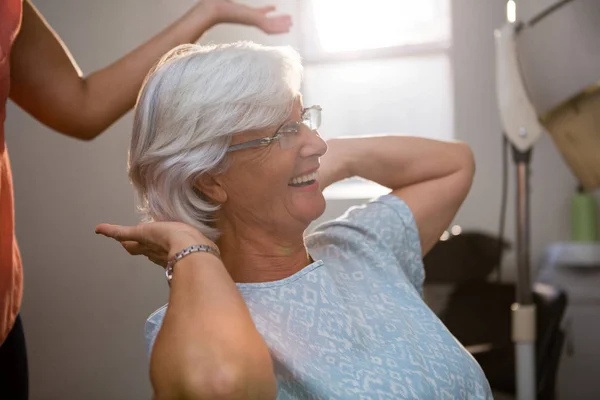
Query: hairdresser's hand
x: 225, y: 11
x: 159, y: 241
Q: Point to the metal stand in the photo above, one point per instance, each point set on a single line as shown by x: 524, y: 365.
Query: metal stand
x: 523, y: 310
x: 522, y: 128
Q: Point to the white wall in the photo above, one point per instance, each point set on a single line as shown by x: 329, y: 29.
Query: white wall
x: 86, y: 300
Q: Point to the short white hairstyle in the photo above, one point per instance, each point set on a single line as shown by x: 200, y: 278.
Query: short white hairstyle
x: 190, y: 105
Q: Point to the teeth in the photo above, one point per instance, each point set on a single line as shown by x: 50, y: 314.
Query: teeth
x: 304, y: 178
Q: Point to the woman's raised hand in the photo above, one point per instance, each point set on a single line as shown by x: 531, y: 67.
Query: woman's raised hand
x: 158, y: 241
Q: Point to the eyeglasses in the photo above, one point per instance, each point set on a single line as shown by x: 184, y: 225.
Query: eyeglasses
x: 287, y: 134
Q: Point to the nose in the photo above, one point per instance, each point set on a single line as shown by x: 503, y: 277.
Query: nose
x: 312, y: 144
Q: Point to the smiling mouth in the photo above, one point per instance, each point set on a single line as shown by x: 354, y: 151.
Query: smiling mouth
x: 304, y: 180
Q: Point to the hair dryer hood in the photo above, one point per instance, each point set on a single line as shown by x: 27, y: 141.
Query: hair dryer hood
x: 558, y: 52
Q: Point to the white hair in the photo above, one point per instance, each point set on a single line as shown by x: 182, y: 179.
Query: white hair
x: 190, y: 105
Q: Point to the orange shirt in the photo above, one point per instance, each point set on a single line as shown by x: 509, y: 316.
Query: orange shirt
x: 11, y: 275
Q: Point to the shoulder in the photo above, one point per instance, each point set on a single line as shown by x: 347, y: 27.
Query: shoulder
x: 382, y: 233
x: 369, y: 220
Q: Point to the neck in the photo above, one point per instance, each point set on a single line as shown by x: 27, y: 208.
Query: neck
x: 260, y: 256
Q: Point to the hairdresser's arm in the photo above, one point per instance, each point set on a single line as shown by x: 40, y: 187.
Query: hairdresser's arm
x: 432, y: 177
x: 47, y: 83
x: 207, y: 347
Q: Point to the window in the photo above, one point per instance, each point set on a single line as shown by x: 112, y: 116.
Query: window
x: 381, y: 68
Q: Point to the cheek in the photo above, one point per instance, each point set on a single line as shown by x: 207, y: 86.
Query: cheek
x: 260, y: 181
x: 271, y: 181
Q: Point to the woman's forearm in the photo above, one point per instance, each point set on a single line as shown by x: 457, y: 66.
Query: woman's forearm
x: 394, y: 161
x: 112, y: 91
x: 431, y: 176
x: 208, y: 346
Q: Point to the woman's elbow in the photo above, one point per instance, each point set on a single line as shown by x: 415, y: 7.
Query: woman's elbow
x: 465, y: 159
x: 88, y: 130
x: 464, y: 172
x: 78, y: 129
x: 462, y: 177
x: 235, y: 382
x: 226, y: 382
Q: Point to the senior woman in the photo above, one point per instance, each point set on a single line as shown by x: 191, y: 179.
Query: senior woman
x: 227, y: 156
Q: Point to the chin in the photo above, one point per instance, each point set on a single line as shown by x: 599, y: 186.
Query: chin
x: 308, y: 210
x: 315, y: 209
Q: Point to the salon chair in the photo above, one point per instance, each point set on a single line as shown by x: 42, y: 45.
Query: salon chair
x: 476, y: 309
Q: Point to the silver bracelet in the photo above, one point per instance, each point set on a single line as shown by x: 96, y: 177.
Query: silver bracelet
x: 189, y: 250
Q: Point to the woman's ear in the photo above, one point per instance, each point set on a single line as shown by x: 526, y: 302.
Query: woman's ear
x: 211, y: 187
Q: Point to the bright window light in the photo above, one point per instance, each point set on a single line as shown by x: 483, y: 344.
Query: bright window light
x: 511, y: 11
x: 344, y: 25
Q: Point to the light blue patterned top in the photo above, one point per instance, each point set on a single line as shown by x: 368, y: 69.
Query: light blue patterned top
x: 353, y: 325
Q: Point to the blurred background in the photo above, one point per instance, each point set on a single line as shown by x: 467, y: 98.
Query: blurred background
x: 422, y: 67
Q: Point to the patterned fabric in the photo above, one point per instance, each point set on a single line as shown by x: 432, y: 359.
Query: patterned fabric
x: 353, y: 325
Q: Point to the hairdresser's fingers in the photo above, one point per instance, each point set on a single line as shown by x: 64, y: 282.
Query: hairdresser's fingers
x: 266, y: 9
x: 275, y: 25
